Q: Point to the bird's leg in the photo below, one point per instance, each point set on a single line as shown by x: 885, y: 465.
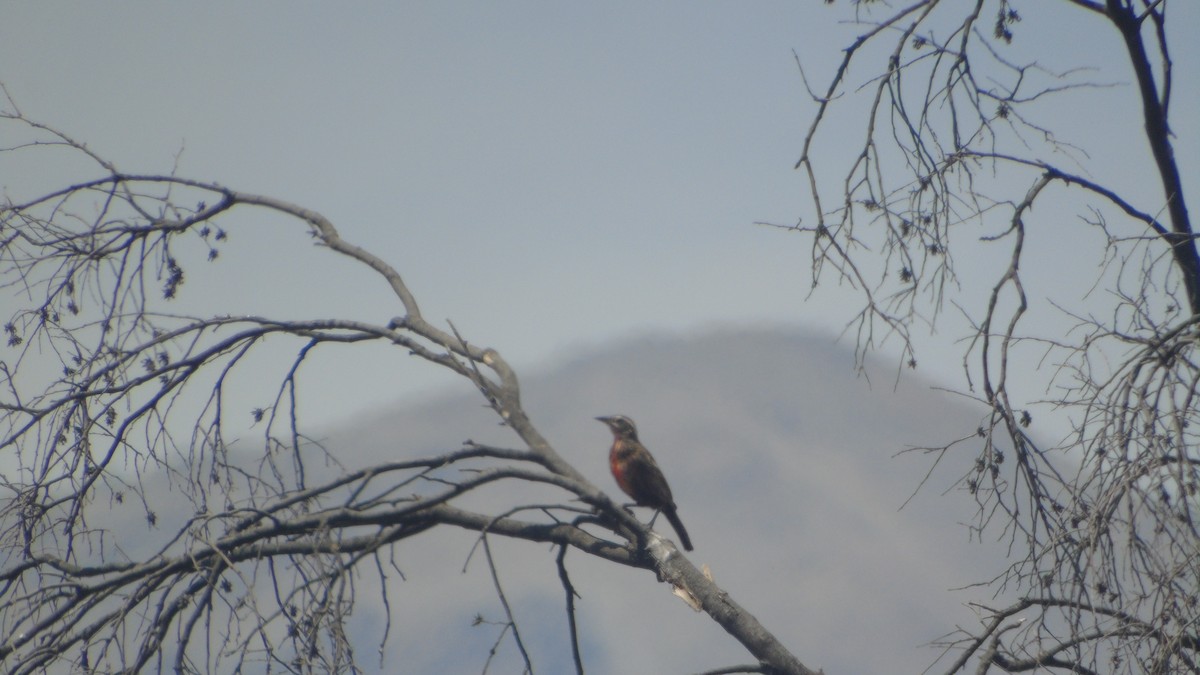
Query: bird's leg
x: 653, y: 518
x: 630, y: 506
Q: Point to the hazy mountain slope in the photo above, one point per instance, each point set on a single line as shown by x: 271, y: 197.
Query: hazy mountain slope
x: 781, y: 461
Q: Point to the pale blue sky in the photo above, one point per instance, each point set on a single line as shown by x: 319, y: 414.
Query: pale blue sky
x: 551, y: 177
x: 547, y: 175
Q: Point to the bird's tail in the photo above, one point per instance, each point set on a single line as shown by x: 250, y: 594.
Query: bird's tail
x: 680, y: 530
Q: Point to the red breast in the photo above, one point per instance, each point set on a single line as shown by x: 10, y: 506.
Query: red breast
x: 618, y: 470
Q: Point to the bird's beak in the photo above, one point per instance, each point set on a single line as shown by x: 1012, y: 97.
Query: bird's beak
x: 606, y: 420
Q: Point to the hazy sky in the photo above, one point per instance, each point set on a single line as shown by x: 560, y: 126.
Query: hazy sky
x: 546, y: 175
x: 549, y: 176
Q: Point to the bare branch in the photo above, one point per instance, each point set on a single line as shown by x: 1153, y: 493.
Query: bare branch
x: 1104, y: 521
x: 251, y: 556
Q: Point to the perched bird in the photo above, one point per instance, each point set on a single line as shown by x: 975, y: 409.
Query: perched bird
x: 638, y: 474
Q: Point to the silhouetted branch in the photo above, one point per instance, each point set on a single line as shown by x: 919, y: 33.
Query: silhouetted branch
x: 257, y: 559
x: 951, y: 169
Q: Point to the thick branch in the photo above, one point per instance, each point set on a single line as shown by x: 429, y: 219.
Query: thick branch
x: 1158, y: 135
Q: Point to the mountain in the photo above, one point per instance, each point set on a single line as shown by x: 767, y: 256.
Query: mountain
x: 783, y: 460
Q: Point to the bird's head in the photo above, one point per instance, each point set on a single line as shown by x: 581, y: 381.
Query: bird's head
x: 620, y: 426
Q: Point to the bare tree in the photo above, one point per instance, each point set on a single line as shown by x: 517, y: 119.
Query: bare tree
x: 962, y: 137
x: 259, y: 572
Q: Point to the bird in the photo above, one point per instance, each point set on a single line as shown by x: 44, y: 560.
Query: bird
x: 638, y: 475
